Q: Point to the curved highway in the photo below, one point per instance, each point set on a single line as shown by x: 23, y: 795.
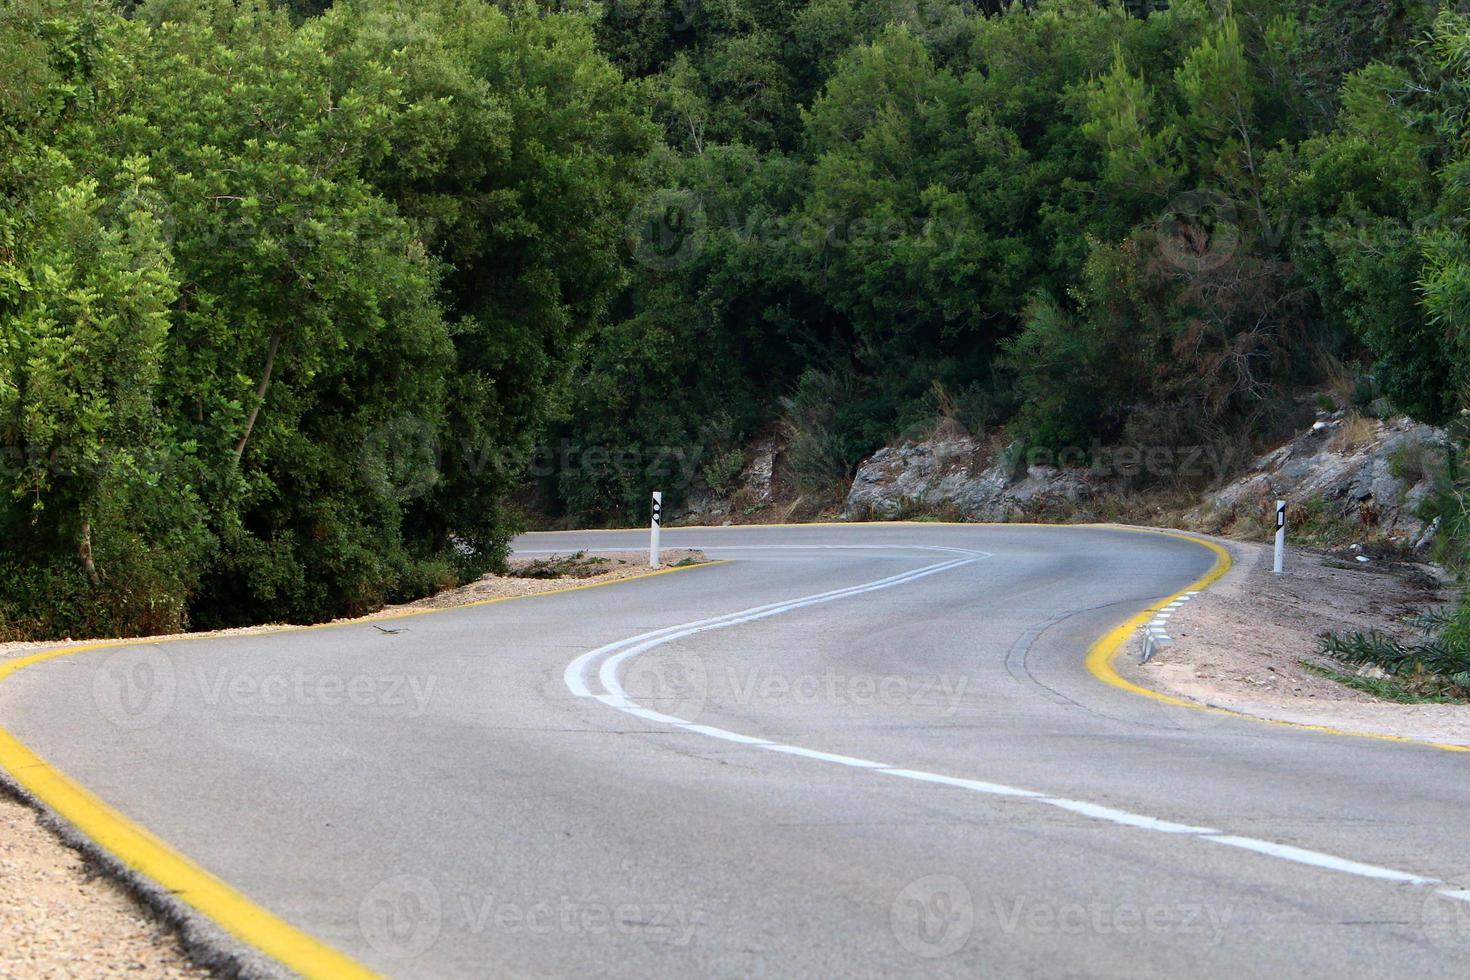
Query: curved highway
x: 865, y: 750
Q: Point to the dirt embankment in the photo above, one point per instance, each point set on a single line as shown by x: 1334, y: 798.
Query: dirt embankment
x: 1242, y: 643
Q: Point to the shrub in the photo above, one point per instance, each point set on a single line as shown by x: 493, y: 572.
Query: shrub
x: 1412, y: 460
x: 818, y: 454
x: 721, y: 470
x: 1440, y: 661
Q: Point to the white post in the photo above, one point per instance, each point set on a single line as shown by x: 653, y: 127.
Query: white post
x: 1280, y: 536
x: 658, y: 519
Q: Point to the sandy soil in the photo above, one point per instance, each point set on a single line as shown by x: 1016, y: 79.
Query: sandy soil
x: 60, y: 918
x: 1239, y: 645
x: 604, y: 566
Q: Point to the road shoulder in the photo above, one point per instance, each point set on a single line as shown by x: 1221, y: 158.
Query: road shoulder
x: 1240, y: 645
x: 63, y: 917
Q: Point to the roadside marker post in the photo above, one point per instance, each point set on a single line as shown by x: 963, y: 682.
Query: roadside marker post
x: 1280, y: 537
x: 658, y: 520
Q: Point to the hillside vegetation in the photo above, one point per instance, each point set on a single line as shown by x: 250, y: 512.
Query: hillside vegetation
x: 292, y: 299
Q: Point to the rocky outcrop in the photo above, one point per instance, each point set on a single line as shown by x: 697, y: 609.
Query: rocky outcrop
x: 1352, y: 468
x: 1346, y: 468
x: 956, y: 475
x: 758, y: 478
x: 758, y: 486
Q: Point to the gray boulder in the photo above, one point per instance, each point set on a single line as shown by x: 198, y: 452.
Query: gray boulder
x: 959, y: 475
x: 1366, y: 470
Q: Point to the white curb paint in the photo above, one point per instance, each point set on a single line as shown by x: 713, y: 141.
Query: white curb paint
x: 616, y: 697
x: 1154, y: 635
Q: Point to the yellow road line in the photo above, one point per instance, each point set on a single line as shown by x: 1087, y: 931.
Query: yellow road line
x: 1102, y: 655
x: 150, y: 857
x: 1102, y: 658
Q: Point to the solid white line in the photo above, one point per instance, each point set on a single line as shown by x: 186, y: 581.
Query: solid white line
x: 974, y: 785
x: 617, y: 698
x: 1123, y: 817
x: 842, y: 760
x: 1320, y: 860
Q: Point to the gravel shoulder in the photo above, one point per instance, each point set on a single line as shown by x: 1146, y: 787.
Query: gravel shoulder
x: 1240, y: 644
x: 61, y: 916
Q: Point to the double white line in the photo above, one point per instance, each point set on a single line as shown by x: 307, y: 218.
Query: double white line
x: 614, y: 655
x: 621, y: 650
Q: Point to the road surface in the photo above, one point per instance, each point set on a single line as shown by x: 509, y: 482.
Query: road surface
x: 867, y: 750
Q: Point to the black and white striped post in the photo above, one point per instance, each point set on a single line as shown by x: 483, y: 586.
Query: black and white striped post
x: 658, y: 520
x: 1280, y: 563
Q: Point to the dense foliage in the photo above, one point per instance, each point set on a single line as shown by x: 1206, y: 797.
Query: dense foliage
x: 292, y: 294
x: 1078, y: 223
x: 275, y: 296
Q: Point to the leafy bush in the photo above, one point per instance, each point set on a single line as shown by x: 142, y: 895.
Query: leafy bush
x: 722, y: 469
x: 1441, y: 661
x: 271, y: 294
x: 820, y: 449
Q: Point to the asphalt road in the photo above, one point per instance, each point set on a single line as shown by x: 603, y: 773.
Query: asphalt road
x: 849, y: 751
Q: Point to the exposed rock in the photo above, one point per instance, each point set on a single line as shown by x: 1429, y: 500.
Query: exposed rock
x: 960, y: 475
x: 757, y: 479
x: 1426, y: 539
x: 702, y: 506
x: 1373, y: 472
x: 757, y: 487
x: 1363, y: 470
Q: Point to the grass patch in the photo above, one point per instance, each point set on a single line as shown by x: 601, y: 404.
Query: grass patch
x: 1437, y: 665
x: 1385, y: 689
x: 578, y: 565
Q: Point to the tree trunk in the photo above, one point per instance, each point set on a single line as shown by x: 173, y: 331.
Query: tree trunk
x: 85, y: 551
x: 260, y: 389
